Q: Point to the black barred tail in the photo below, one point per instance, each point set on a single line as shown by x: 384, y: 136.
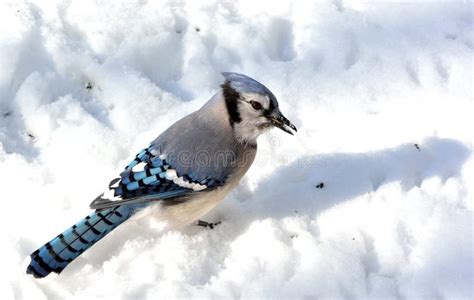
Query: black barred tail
x: 55, y: 255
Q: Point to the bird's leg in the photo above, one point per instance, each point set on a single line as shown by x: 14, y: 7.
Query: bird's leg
x: 207, y: 224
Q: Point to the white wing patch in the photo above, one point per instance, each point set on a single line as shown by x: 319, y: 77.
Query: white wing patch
x: 114, y: 185
x: 109, y: 194
x: 149, y: 175
x: 173, y: 176
x: 170, y: 175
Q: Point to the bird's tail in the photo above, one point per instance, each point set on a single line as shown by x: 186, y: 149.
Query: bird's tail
x: 55, y: 255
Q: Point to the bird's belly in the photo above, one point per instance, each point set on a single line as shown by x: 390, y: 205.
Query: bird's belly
x: 188, y: 212
x: 185, y: 213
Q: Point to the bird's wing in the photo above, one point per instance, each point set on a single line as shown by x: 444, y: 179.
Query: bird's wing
x: 150, y: 177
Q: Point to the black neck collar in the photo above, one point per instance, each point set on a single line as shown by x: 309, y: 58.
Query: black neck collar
x: 231, y: 96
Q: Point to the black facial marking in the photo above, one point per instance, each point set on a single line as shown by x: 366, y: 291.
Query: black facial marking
x: 273, y: 101
x: 231, y: 97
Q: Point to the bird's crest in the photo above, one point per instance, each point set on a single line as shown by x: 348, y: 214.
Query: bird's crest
x: 244, y: 84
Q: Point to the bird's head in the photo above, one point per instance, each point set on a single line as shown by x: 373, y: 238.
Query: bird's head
x: 252, y: 107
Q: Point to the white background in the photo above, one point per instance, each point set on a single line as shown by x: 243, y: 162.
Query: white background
x: 362, y: 81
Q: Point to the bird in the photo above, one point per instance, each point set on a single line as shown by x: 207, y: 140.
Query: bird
x: 183, y: 173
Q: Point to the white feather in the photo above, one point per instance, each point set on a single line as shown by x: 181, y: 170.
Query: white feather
x: 139, y: 167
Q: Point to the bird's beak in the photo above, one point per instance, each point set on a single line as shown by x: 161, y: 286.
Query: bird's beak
x: 277, y: 119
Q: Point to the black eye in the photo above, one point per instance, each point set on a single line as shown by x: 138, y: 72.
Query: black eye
x: 256, y: 105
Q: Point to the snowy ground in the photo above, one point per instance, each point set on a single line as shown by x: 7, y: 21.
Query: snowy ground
x: 84, y: 85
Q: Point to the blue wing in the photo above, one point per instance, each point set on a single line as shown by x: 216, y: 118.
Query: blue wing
x: 150, y: 178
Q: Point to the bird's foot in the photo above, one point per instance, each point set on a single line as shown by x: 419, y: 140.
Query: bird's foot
x: 207, y: 224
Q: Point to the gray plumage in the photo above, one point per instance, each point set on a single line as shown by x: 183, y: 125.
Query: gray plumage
x: 216, y: 144
x: 207, y: 146
x: 184, y: 173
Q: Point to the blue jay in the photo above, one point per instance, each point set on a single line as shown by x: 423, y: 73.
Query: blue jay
x: 182, y: 175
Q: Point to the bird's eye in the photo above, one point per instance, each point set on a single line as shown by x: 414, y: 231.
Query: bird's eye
x: 256, y: 105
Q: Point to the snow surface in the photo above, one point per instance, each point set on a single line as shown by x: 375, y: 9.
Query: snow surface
x: 84, y: 85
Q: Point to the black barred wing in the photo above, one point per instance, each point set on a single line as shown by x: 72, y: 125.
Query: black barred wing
x: 149, y: 178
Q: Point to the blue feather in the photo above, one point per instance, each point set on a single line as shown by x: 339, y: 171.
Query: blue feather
x: 149, y: 184
x: 55, y: 255
x: 139, y: 175
x: 155, y: 171
x: 132, y: 186
x: 142, y: 156
x: 150, y: 180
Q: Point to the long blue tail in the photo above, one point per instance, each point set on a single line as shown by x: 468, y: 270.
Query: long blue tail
x: 55, y: 255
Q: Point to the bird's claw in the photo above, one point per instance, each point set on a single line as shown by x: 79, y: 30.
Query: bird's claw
x: 207, y: 224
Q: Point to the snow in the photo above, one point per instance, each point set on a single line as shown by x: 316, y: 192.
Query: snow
x: 85, y: 85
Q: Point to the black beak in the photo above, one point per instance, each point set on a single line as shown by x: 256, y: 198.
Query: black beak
x: 277, y: 119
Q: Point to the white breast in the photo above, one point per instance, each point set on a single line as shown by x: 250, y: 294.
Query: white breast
x: 183, y: 214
